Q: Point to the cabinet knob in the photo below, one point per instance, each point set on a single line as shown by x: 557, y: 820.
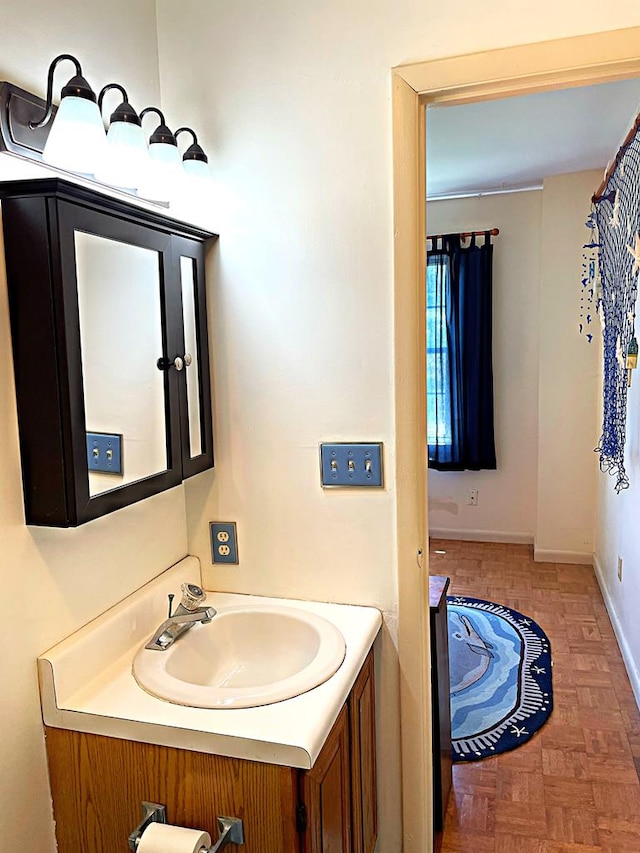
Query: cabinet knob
x: 187, y: 359
x: 178, y: 362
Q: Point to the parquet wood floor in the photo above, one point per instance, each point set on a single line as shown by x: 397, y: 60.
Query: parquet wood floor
x: 574, y: 787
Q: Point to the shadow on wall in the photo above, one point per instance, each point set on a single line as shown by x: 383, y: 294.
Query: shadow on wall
x: 444, y: 505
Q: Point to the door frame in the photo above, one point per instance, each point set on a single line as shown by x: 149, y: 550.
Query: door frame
x: 524, y: 69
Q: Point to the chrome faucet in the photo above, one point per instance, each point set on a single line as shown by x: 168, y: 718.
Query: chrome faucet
x: 185, y: 616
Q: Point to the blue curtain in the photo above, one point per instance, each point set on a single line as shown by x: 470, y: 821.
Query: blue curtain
x: 460, y: 429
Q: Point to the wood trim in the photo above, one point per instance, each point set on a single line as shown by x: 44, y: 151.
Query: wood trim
x: 95, y: 810
x: 411, y: 464
x: 577, y: 61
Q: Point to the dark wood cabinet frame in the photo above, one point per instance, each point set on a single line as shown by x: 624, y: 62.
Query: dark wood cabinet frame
x: 40, y: 219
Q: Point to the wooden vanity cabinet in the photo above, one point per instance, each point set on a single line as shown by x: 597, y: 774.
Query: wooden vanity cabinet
x: 98, y: 784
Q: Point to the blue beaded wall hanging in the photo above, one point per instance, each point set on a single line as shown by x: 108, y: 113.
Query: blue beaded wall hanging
x: 611, y: 264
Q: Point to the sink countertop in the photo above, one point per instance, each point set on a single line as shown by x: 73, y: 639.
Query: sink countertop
x: 86, y: 683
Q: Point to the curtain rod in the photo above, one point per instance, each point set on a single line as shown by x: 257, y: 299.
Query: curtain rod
x: 464, y: 234
x: 598, y: 194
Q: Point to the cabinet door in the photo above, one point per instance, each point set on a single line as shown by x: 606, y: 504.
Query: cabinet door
x: 195, y: 385
x: 116, y: 293
x: 363, y: 760
x: 326, y: 793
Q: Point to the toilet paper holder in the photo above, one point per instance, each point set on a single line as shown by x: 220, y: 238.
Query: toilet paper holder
x: 231, y: 828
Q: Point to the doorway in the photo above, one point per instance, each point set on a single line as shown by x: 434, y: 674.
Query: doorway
x: 530, y: 68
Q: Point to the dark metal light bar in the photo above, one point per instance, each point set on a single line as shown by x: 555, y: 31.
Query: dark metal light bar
x: 17, y: 108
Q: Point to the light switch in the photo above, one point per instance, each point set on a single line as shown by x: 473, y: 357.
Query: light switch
x: 104, y: 452
x: 344, y: 465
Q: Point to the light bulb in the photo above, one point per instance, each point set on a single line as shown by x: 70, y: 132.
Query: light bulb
x: 125, y: 158
x: 77, y: 139
x: 163, y: 173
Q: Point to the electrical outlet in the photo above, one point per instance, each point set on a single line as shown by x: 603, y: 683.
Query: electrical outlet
x: 224, y: 542
x: 104, y: 452
x: 472, y: 497
x: 343, y: 464
x: 620, y: 569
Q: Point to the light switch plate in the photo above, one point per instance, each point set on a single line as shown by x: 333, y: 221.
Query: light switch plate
x: 104, y: 452
x: 345, y: 465
x: 224, y: 542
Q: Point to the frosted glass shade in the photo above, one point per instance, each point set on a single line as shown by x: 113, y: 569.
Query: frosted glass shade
x: 197, y: 172
x: 77, y: 140
x: 126, y: 158
x: 163, y: 174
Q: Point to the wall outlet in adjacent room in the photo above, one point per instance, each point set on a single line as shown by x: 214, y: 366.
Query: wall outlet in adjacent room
x: 224, y: 542
x: 472, y: 497
x: 620, y: 569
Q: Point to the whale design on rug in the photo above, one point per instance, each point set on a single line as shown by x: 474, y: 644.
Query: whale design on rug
x: 472, y: 661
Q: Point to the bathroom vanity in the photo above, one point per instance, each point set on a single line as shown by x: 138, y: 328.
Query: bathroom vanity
x: 301, y: 773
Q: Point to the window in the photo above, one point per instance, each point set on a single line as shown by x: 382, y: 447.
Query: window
x: 438, y: 365
x: 459, y: 360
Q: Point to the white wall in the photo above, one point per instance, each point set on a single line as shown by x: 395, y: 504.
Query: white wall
x: 568, y: 393
x: 507, y: 497
x: 617, y: 537
x: 545, y: 377
x: 53, y: 581
x: 293, y: 101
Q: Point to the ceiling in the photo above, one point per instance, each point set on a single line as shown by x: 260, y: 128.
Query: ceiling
x: 513, y: 143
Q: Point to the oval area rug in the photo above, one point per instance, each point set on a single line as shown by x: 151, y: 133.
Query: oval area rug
x: 500, y: 677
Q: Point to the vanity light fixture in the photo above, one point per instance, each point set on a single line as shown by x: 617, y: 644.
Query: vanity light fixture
x: 162, y: 179
x: 194, y: 160
x: 77, y: 139
x: 126, y: 157
x: 71, y: 138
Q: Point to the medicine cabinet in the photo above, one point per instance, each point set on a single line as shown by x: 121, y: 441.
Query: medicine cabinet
x: 109, y: 333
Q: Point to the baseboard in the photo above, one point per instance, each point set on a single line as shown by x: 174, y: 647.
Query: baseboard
x: 481, y: 536
x: 580, y: 558
x: 627, y: 657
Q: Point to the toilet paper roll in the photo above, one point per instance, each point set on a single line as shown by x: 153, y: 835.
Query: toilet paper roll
x: 164, y: 838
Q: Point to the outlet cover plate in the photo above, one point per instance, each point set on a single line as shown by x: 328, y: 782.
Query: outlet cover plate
x: 104, y: 452
x: 345, y: 465
x: 224, y: 542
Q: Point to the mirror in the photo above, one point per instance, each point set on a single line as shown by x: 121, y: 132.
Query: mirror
x: 119, y: 296
x: 188, y: 283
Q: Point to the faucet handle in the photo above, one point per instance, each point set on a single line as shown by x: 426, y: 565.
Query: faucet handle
x: 192, y: 596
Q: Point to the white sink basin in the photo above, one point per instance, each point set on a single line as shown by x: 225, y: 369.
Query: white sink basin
x: 246, y: 657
